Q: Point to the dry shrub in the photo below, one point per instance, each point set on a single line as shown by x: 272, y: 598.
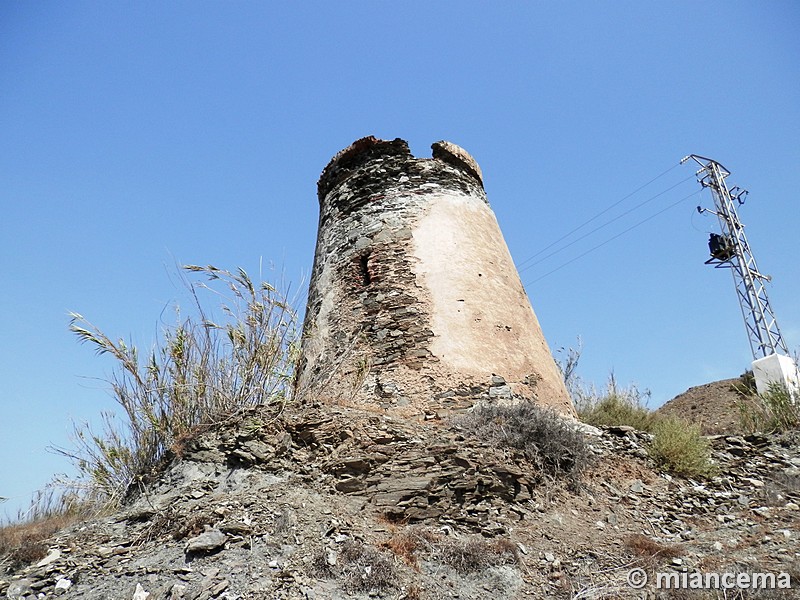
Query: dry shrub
x: 476, y: 554
x: 644, y: 547
x: 361, y: 568
x: 548, y: 440
x: 464, y: 555
x: 365, y: 568
x: 410, y: 542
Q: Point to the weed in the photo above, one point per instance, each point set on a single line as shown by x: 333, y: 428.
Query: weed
x: 618, y: 406
x: 679, y: 448
x: 775, y: 410
x: 200, y: 373
x: 544, y: 437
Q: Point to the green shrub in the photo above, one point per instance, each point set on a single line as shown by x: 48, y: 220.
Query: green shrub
x: 546, y: 439
x: 776, y: 410
x: 618, y: 410
x: 201, y: 372
x: 618, y: 406
x: 679, y: 448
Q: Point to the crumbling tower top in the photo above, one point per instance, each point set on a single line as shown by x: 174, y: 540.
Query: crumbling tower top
x: 414, y: 304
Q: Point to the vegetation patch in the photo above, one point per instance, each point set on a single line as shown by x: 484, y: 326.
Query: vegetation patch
x: 25, y: 541
x: 361, y: 568
x: 469, y: 555
x: 617, y: 406
x: 774, y: 411
x: 546, y: 439
x: 679, y: 448
x: 203, y: 370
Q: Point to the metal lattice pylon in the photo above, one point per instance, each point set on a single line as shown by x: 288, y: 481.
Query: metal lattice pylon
x: 731, y: 250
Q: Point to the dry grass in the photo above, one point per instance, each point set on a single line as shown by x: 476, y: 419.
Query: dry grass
x: 26, y: 540
x: 202, y: 371
x: 360, y: 567
x: 464, y: 555
x: 644, y: 547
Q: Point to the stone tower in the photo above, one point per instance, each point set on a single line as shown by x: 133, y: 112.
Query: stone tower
x: 415, y: 304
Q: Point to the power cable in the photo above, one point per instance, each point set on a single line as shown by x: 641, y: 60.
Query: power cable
x: 601, y: 213
x: 607, y: 223
x: 623, y: 232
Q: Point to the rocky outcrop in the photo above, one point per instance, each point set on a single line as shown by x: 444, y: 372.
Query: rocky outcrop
x: 341, y: 503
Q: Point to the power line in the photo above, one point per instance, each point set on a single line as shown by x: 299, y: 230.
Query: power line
x: 623, y: 232
x: 606, y: 224
x: 601, y: 213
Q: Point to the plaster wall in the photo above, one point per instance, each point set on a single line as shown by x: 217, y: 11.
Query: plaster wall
x: 415, y: 305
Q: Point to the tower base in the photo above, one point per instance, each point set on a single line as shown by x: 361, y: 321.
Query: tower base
x: 776, y: 369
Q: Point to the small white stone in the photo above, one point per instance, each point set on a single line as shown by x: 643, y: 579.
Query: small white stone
x: 63, y: 584
x: 140, y: 594
x: 52, y: 556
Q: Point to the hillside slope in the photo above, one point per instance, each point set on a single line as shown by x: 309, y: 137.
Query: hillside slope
x: 714, y: 406
x: 328, y: 502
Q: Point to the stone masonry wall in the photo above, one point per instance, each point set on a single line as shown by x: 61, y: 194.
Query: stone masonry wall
x: 380, y: 327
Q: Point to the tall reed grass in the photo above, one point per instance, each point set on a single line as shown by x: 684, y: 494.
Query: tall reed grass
x: 202, y: 371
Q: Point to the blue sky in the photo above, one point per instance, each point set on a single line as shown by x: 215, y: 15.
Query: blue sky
x: 139, y: 136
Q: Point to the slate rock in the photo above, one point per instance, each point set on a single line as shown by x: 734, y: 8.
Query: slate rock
x: 208, y: 541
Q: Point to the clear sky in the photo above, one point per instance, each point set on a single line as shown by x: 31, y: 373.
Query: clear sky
x: 138, y: 136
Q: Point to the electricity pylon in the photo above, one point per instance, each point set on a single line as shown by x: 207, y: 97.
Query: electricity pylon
x: 730, y: 250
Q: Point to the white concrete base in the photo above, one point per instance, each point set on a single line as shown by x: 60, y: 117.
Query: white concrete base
x: 776, y: 368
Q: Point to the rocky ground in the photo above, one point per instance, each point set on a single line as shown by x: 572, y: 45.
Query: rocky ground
x: 329, y: 502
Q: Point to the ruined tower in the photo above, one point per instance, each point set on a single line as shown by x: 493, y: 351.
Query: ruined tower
x: 415, y: 304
